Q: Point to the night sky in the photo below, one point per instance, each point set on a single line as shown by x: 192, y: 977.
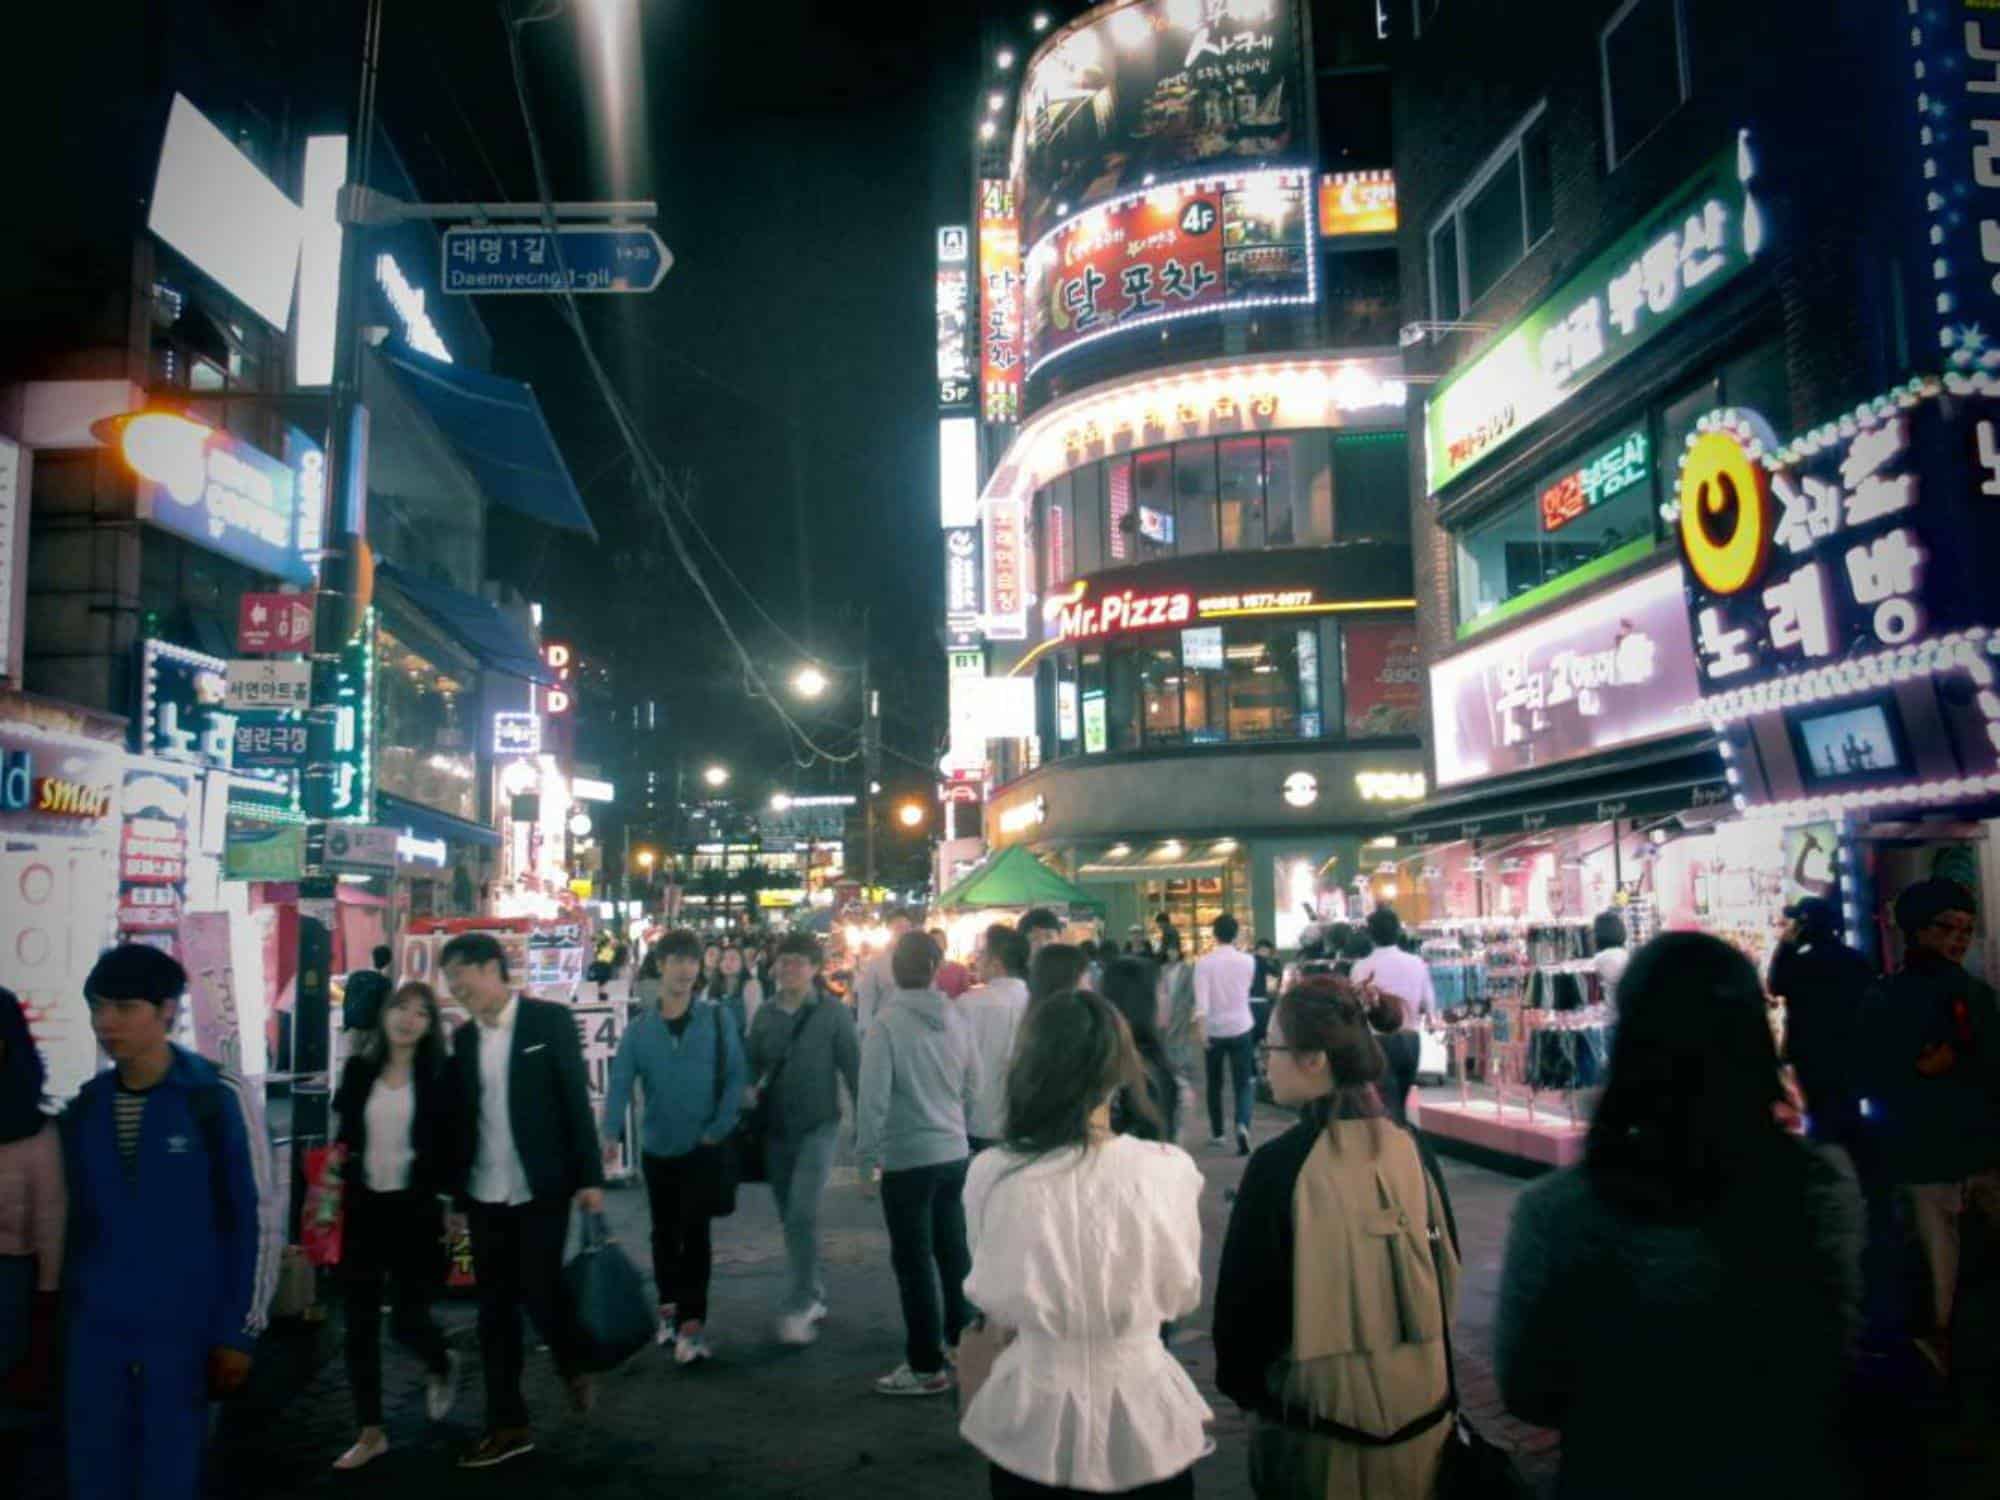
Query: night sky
x: 801, y: 155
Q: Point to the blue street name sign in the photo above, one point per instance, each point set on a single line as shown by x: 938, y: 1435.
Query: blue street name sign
x: 489, y: 259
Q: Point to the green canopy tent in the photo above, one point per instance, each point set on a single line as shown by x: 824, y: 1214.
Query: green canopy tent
x: 1015, y: 879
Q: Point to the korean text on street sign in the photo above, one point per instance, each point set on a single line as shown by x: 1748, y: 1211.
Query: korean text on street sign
x: 258, y: 684
x: 273, y: 624
x: 492, y: 259
x: 352, y: 846
x: 264, y: 739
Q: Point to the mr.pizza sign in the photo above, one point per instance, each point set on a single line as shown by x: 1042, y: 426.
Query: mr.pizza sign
x: 1856, y: 540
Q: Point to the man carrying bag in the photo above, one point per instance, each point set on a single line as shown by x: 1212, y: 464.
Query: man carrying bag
x: 687, y: 1060
x: 801, y: 1046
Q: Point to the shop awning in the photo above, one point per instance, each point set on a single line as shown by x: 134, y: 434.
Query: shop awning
x: 1158, y: 862
x: 476, y: 623
x: 1014, y: 878
x: 1672, y: 779
x: 427, y: 823
x: 496, y: 427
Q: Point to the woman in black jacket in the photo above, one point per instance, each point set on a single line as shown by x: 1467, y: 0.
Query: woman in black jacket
x: 1132, y: 986
x: 1402, y: 1050
x: 397, y: 1122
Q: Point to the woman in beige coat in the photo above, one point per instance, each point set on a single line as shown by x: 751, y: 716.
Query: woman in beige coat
x: 1338, y: 1273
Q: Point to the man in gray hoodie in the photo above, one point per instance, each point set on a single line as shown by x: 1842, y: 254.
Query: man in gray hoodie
x: 919, y: 1079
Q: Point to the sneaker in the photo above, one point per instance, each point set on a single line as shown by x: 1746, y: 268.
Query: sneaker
x: 1242, y: 1140
x: 907, y: 1382
x: 690, y: 1343
x: 664, y: 1334
x: 1216, y: 1143
x: 441, y: 1391
x: 797, y: 1329
x: 367, y: 1448
x: 497, y: 1447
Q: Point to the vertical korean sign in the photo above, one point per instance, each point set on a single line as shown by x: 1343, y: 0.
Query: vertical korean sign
x: 152, y: 857
x: 955, y: 383
x: 1006, y: 589
x: 999, y: 303
x: 1954, y: 66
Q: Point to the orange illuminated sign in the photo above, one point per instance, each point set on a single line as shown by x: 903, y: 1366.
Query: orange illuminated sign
x: 58, y: 798
x: 1357, y: 203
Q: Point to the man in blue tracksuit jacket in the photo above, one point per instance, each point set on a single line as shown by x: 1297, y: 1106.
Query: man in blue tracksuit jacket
x: 170, y: 1268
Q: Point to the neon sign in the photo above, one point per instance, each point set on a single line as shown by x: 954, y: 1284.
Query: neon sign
x: 419, y: 331
x: 1608, y: 474
x: 1074, y: 616
x: 60, y: 798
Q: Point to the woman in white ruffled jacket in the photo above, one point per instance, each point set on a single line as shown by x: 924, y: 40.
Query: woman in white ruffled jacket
x: 1083, y: 1244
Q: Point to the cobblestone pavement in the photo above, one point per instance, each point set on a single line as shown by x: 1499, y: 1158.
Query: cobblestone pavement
x: 761, y: 1420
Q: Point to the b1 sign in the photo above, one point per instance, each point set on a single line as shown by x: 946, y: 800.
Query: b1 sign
x: 268, y: 624
x: 1613, y: 670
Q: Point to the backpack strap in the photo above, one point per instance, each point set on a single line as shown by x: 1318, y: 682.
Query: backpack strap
x: 205, y: 1105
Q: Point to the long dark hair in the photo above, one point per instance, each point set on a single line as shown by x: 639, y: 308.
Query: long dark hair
x: 1074, y: 1052
x: 1056, y: 967
x: 22, y: 1073
x: 1132, y: 985
x: 1686, y: 1120
x: 1325, y: 1013
x: 430, y: 1057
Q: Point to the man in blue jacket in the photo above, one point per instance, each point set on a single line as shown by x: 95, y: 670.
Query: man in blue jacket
x: 690, y: 1066
x: 170, y: 1270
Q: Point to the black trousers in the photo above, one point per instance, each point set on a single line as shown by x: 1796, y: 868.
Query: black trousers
x: 517, y: 1258
x: 924, y: 1208
x: 396, y: 1238
x: 1011, y: 1486
x: 679, y: 1190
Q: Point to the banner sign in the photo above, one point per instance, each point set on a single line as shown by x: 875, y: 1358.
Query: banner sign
x: 1867, y: 535
x: 258, y: 850
x: 1171, y: 252
x: 1612, y: 671
x: 954, y: 318
x: 600, y: 1027
x: 361, y: 847
x: 1353, y: 203
x: 1384, y: 677
x: 274, y: 624
x: 211, y: 993
x: 999, y: 303
x: 1684, y: 252
x: 1006, y: 590
x: 1155, y: 88
x: 152, y: 855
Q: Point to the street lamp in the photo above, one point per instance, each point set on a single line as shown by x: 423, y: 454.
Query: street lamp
x: 910, y: 815
x: 647, y: 858
x: 716, y: 776
x: 809, y: 681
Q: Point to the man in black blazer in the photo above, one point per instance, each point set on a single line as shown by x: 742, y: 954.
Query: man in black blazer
x: 530, y: 1149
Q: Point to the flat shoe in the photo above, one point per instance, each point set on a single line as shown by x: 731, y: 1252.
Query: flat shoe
x: 361, y: 1454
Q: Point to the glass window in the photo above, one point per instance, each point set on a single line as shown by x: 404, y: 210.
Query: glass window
x: 1153, y: 488
x: 1240, y: 472
x: 1062, y: 528
x: 1644, y: 61
x: 1204, y: 690
x: 1068, y: 717
x: 1087, y: 506
x: 1333, y: 697
x: 1371, y: 485
x: 425, y: 750
x: 1121, y: 699
x: 1194, y: 497
x: 1262, y: 668
x: 1160, y: 693
x: 1045, y: 700
x: 1299, y: 484
x: 1305, y: 650
x: 1121, y: 523
x: 1444, y: 271
x: 1492, y: 225
x: 1096, y: 721
x: 1495, y: 238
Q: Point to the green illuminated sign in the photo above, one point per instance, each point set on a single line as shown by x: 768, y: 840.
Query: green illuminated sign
x: 1689, y: 248
x: 1625, y: 461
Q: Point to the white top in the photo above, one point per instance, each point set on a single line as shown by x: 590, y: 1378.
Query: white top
x: 1085, y: 1256
x: 1222, y: 979
x: 1610, y: 965
x: 1403, y: 975
x: 995, y: 1010
x: 497, y: 1173
x: 389, y: 1115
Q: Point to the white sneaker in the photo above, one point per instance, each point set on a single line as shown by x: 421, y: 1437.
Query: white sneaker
x: 797, y: 1329
x: 1216, y: 1143
x: 691, y: 1344
x: 664, y: 1334
x: 903, y: 1381
x: 441, y: 1391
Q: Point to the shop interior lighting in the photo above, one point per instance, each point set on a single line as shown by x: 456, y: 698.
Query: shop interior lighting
x: 1223, y: 846
x: 1118, y: 851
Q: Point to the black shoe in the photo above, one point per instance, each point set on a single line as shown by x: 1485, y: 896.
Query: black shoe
x: 1242, y: 1140
x: 497, y: 1447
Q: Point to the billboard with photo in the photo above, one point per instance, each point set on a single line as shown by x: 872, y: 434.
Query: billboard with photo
x: 1153, y: 88
x: 1171, y: 252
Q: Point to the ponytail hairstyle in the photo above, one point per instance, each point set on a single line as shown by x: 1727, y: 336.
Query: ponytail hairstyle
x: 1325, y: 1013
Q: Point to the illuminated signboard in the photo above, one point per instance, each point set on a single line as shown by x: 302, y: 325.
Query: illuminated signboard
x: 226, y: 497
x: 1006, y: 590
x: 1023, y: 815
x: 958, y: 471
x: 961, y: 580
x: 1861, y: 539
x: 560, y: 698
x: 1688, y: 249
x: 1357, y: 203
x: 1389, y: 786
x: 1954, y: 73
x: 406, y: 301
x: 999, y: 303
x: 954, y: 318
x: 1156, y: 88
x: 1076, y: 616
x: 1170, y: 252
x: 517, y: 734
x: 1610, y: 471
x: 1612, y: 671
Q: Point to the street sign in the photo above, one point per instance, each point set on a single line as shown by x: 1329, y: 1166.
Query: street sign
x: 360, y: 846
x: 258, y: 684
x: 268, y: 624
x: 265, y: 740
x: 492, y: 259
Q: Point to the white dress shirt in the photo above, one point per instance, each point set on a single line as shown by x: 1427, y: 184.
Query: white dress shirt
x: 1403, y: 975
x: 389, y: 1113
x: 497, y: 1174
x: 1085, y: 1256
x: 1222, y: 979
x: 995, y: 1010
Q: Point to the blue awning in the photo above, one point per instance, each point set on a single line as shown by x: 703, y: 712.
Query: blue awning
x: 424, y: 823
x: 475, y: 623
x: 497, y: 428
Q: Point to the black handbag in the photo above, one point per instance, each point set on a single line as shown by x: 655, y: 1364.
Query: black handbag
x: 752, y: 1135
x: 1473, y: 1467
x: 611, y: 1314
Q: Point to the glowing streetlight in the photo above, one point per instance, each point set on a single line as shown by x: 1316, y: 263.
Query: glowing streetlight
x: 910, y: 815
x: 1041, y: 21
x: 1004, y: 59
x: 647, y: 859
x: 809, y: 681
x: 716, y: 776
x: 987, y: 130
x: 781, y: 802
x: 995, y: 102
x: 169, y: 449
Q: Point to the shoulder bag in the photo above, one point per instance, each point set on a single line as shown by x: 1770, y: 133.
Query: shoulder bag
x: 753, y: 1126
x: 725, y: 1171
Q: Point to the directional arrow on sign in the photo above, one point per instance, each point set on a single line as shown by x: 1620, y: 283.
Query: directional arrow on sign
x: 495, y: 260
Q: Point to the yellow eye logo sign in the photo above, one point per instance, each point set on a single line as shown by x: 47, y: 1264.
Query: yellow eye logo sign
x: 1725, y: 514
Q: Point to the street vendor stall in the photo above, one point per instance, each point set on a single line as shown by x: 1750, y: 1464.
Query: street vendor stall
x: 1001, y: 888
